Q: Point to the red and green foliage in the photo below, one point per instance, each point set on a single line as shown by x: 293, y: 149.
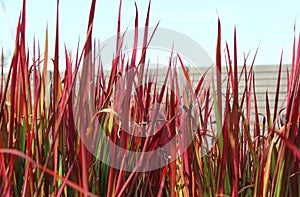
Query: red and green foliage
x: 42, y: 154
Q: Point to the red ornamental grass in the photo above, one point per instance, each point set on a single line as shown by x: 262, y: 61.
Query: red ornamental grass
x: 42, y: 146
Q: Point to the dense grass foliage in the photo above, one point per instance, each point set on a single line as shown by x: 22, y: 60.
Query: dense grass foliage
x: 41, y: 152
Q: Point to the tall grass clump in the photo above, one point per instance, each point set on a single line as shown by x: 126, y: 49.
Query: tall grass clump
x: 42, y: 151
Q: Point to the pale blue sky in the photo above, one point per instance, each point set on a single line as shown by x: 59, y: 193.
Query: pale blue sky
x: 268, y: 23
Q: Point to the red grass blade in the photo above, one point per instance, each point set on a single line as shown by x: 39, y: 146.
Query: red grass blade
x: 277, y: 92
x: 235, y: 117
x: 219, y: 70
x: 59, y: 193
